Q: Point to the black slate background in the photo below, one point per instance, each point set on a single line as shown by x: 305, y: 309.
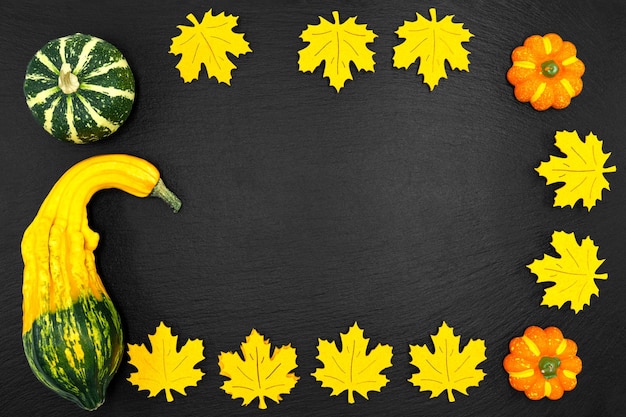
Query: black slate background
x: 305, y: 210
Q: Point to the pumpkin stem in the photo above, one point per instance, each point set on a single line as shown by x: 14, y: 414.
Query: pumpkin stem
x: 162, y: 192
x: 68, y: 82
x: 549, y: 68
x: 548, y: 366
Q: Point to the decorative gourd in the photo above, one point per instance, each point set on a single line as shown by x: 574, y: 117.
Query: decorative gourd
x: 542, y: 363
x: 546, y: 72
x: 80, y: 88
x: 72, y: 332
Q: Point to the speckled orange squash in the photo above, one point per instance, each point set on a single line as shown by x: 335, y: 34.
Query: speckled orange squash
x: 546, y: 72
x: 542, y: 363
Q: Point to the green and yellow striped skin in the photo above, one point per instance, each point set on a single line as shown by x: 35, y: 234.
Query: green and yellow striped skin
x: 76, y: 351
x: 105, y: 90
x: 72, y: 333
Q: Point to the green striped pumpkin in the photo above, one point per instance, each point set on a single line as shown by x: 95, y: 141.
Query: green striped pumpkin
x: 80, y: 88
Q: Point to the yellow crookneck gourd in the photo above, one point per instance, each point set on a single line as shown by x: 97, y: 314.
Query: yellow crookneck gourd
x: 72, y: 333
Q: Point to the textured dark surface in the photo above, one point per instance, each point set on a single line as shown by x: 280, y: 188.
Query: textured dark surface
x: 305, y: 210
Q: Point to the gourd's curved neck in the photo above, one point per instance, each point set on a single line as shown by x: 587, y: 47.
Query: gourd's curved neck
x: 68, y: 82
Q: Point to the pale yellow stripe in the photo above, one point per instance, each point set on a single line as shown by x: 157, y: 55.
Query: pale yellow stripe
x: 49, y: 114
x: 70, y: 358
x: 109, y: 91
x: 122, y: 63
x: 85, y: 54
x: 547, y: 388
x: 73, y: 134
x: 561, y: 348
x: 524, y: 64
x: 100, y: 121
x: 46, y: 61
x: 547, y: 45
x: 531, y: 345
x: 569, y: 374
x: 42, y: 96
x: 569, y: 61
x: 72, y: 339
x: 62, y: 49
x: 568, y: 87
x: 539, y: 92
x: 527, y: 373
x: 37, y: 77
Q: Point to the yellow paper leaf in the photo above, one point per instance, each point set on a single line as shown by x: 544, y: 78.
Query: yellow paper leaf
x: 337, y: 45
x: 352, y: 369
x: 582, y: 170
x: 165, y: 368
x: 573, y: 274
x: 433, y: 42
x: 447, y: 368
x: 208, y: 42
x: 259, y: 373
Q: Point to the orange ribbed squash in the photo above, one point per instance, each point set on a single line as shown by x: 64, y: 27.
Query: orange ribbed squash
x: 546, y: 72
x: 542, y: 363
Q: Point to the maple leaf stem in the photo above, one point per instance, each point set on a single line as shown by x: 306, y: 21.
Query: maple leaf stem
x: 350, y: 396
x: 262, y: 403
x: 433, y: 14
x: 193, y: 19
x: 168, y: 395
x: 450, y: 395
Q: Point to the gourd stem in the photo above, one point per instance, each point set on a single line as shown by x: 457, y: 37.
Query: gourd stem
x: 161, y: 191
x: 549, y: 68
x: 548, y: 366
x: 68, y: 82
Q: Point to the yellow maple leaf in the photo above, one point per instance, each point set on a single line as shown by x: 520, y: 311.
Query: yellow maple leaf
x: 433, y: 42
x: 337, y: 45
x: 447, y: 368
x: 258, y: 373
x: 165, y: 368
x: 208, y: 42
x: 573, y: 274
x: 582, y: 170
x: 352, y: 369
